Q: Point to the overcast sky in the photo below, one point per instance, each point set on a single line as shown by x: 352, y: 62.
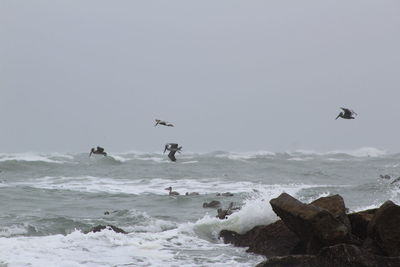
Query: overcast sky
x: 231, y: 75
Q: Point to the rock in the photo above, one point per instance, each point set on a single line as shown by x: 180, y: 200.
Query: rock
x: 359, y: 222
x: 99, y: 228
x: 384, y: 229
x: 333, y: 256
x: 335, y: 205
x: 212, y: 204
x: 316, y: 227
x: 269, y: 240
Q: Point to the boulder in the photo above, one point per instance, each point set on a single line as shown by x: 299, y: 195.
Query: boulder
x: 99, y: 228
x: 384, y: 229
x: 359, y: 222
x: 268, y: 240
x: 316, y: 227
x: 335, y: 205
x: 333, y: 256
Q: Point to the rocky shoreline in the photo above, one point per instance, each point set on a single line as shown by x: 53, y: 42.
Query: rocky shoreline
x: 322, y: 233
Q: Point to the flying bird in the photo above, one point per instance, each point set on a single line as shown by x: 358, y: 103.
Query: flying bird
x: 165, y: 123
x: 172, y: 148
x: 346, y: 114
x: 98, y: 151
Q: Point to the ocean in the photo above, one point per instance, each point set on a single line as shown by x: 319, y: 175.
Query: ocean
x: 48, y: 201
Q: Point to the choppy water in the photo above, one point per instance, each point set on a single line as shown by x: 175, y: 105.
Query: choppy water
x: 49, y: 200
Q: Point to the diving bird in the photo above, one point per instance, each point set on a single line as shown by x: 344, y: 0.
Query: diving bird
x: 98, y: 151
x: 172, y: 193
x: 165, y: 123
x: 346, y: 114
x: 172, y: 148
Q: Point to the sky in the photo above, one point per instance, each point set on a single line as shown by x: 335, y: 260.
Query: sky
x: 231, y: 75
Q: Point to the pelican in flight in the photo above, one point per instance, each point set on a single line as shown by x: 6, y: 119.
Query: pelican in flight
x: 346, y: 114
x: 98, y: 151
x: 172, y: 148
x: 165, y: 123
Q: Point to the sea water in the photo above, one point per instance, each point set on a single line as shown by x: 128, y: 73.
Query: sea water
x: 49, y: 200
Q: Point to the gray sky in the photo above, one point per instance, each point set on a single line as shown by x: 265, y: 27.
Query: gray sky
x: 231, y: 75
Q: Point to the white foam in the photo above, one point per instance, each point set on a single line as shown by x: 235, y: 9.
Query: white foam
x: 245, y: 155
x: 119, y: 158
x: 105, y: 248
x: 255, y: 211
x: 12, y: 230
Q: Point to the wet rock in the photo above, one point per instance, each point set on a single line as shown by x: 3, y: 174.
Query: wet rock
x: 333, y: 256
x: 359, y: 222
x: 99, y: 228
x: 270, y: 240
x: 212, y: 204
x: 335, y: 205
x: 384, y: 229
x: 316, y: 227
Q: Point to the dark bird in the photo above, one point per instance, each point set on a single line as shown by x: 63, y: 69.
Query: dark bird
x: 165, y: 123
x: 98, y: 151
x: 226, y: 194
x: 212, y: 204
x: 346, y: 114
x: 172, y: 193
x: 192, y: 194
x: 172, y: 148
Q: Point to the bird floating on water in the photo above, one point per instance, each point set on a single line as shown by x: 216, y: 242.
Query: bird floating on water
x: 172, y: 148
x: 165, y: 123
x: 172, y: 193
x: 346, y: 114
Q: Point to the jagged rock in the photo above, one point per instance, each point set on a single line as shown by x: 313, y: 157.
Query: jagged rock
x: 359, y: 222
x: 335, y: 205
x: 99, y: 228
x: 270, y: 240
x: 384, y: 229
x: 316, y: 227
x: 333, y: 256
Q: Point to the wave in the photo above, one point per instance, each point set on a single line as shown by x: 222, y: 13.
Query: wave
x: 360, y: 152
x: 123, y: 157
x: 31, y: 157
x: 172, y: 247
x: 156, y: 186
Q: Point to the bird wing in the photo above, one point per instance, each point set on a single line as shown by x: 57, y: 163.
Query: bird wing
x: 171, y: 155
